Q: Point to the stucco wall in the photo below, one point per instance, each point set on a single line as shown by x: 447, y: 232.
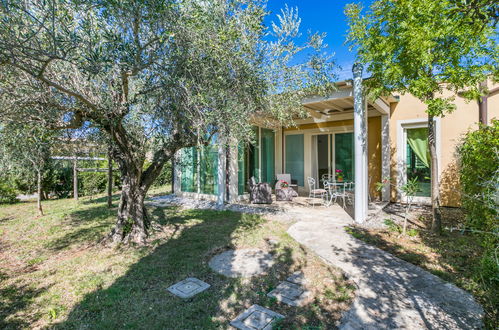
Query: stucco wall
x: 452, y: 128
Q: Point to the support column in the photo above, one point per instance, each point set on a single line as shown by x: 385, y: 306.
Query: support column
x: 385, y: 156
x: 221, y: 174
x: 233, y: 177
x: 360, y: 145
x: 176, y: 173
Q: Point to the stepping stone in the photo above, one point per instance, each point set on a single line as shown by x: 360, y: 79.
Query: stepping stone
x: 290, y: 293
x: 297, y: 278
x: 189, y: 287
x: 256, y: 318
x: 242, y: 263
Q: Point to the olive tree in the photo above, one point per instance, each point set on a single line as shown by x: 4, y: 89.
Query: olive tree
x: 155, y: 76
x: 423, y: 47
x: 25, y: 150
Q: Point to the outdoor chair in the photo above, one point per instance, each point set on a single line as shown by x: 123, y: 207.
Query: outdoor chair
x: 286, y: 177
x: 260, y: 193
x: 284, y: 193
x: 314, y: 191
x: 326, y: 178
x: 343, y: 191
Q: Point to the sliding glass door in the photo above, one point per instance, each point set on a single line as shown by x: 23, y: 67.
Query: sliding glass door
x: 331, y: 152
x: 344, y: 155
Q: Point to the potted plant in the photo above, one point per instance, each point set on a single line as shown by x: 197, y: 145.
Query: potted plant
x: 339, y: 175
x: 284, y: 184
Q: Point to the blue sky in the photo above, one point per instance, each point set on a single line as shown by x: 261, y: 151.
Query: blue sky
x: 324, y: 16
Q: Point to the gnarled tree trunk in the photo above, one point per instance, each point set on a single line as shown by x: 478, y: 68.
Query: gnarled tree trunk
x: 132, y: 223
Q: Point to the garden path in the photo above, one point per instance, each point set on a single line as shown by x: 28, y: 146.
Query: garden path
x: 391, y: 293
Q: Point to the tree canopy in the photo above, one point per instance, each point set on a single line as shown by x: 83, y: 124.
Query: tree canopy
x: 155, y: 76
x: 424, y: 47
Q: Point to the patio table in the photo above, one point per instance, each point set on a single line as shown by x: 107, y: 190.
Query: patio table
x: 337, y: 189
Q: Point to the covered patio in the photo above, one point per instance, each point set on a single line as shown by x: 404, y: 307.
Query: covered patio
x: 344, y: 133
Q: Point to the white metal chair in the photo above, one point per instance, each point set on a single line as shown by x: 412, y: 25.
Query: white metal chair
x: 343, y: 190
x: 314, y: 192
x: 326, y: 178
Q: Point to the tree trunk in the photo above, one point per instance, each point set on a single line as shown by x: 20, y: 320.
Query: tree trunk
x: 436, y: 225
x: 109, y: 180
x: 39, y: 191
x: 482, y: 105
x: 132, y: 224
x: 75, y: 179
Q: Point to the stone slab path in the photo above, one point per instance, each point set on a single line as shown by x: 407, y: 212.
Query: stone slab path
x: 391, y: 294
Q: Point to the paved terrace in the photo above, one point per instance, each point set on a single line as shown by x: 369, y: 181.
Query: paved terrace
x: 391, y: 293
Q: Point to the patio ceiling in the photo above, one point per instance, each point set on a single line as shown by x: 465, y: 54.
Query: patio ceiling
x: 341, y: 101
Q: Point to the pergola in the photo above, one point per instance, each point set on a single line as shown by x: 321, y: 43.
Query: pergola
x: 347, y: 102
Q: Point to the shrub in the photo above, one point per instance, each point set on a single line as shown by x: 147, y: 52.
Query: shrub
x: 479, y: 174
x: 7, y: 193
x: 165, y: 177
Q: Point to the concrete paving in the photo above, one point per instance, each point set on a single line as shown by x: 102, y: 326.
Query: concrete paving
x: 256, y: 318
x: 188, y: 288
x: 291, y: 294
x: 391, y: 294
x: 242, y: 263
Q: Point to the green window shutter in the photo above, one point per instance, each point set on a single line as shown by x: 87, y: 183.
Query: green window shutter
x: 188, y: 164
x: 209, y: 170
x: 268, y: 155
x: 295, y: 157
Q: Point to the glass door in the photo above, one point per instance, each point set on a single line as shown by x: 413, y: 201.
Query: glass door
x: 344, y: 156
x: 418, y: 159
x: 332, y: 152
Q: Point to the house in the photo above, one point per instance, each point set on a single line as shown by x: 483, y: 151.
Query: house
x: 367, y: 140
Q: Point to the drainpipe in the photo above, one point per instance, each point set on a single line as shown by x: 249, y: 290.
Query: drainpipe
x: 360, y: 144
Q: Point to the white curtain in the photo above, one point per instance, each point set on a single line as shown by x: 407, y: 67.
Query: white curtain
x: 315, y: 162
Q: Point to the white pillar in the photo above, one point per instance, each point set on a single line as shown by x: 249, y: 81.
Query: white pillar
x: 385, y: 156
x: 360, y: 145
x: 177, y: 173
x: 233, y: 178
x: 221, y: 174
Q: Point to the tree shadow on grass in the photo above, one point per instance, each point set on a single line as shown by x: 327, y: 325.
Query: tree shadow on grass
x: 421, y: 293
x: 15, y: 298
x: 139, y: 298
x: 85, y: 225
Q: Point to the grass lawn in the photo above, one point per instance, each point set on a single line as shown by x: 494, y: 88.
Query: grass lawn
x: 53, y: 273
x: 452, y: 256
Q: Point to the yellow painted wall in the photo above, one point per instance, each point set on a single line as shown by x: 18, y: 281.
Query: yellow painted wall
x: 453, y: 128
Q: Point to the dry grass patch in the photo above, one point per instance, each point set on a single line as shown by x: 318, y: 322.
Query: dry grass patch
x: 55, y: 274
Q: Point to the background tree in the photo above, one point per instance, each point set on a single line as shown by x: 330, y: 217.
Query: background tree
x: 173, y: 72
x: 422, y: 47
x: 25, y: 151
